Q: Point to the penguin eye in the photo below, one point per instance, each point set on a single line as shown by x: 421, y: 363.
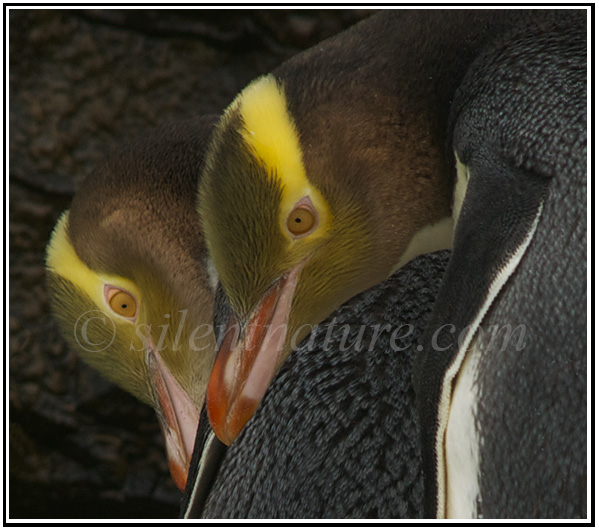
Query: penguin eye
x: 301, y: 221
x: 122, y: 302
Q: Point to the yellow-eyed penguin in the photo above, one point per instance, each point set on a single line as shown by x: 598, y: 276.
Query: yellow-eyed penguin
x: 329, y: 174
x: 127, y: 276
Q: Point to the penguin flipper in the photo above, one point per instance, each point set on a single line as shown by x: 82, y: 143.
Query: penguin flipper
x: 491, y: 237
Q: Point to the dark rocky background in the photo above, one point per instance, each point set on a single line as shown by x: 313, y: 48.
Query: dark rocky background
x: 81, y: 82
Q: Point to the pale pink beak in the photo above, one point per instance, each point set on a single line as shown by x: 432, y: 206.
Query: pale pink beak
x: 177, y: 414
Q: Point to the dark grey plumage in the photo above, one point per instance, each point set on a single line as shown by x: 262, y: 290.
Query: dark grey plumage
x: 542, y: 388
x: 337, y: 435
x: 519, y: 124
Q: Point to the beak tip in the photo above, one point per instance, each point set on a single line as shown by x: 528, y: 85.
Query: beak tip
x: 218, y: 418
x: 227, y: 420
x: 178, y: 474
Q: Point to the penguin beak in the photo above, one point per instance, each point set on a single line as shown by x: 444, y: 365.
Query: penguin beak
x: 248, y: 359
x: 177, y: 415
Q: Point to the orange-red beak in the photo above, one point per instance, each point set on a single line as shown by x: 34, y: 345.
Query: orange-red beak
x: 248, y: 360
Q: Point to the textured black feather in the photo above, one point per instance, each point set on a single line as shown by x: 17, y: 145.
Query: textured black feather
x: 532, y: 412
x: 519, y: 124
x: 337, y: 435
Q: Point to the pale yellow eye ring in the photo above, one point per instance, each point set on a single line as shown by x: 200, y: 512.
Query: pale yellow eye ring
x: 121, y: 302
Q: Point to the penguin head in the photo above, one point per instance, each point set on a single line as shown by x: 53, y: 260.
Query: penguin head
x: 292, y: 218
x: 128, y: 283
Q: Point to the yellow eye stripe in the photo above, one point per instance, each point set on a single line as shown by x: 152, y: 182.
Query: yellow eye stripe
x: 62, y: 259
x: 270, y: 132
